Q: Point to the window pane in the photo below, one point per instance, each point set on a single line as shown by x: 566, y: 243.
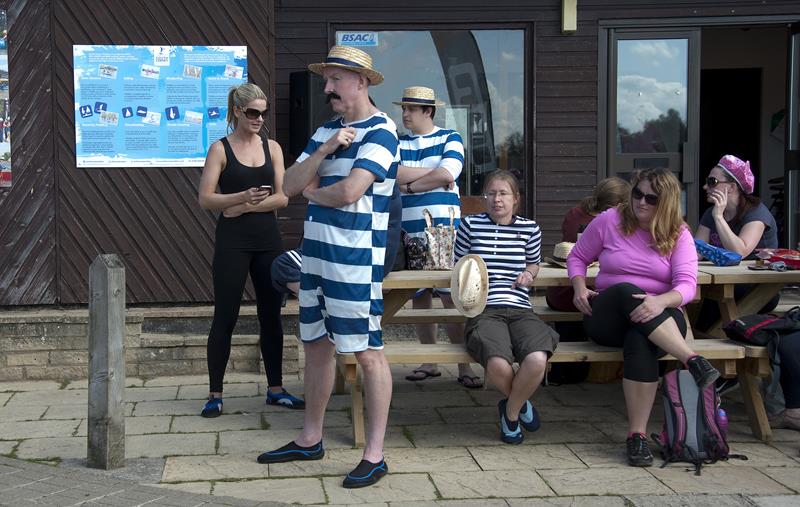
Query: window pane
x: 651, y: 95
x: 479, y: 74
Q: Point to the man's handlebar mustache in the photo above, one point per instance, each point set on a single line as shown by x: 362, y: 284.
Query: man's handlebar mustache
x: 330, y: 97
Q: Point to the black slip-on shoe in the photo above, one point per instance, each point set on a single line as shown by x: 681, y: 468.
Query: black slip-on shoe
x: 510, y: 431
x: 365, y: 474
x: 292, y: 452
x: 529, y: 417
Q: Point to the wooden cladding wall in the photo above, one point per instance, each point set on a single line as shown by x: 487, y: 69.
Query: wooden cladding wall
x: 561, y: 91
x: 149, y: 216
x: 28, y: 209
x: 57, y: 218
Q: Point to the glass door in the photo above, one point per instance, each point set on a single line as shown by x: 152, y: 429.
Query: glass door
x: 478, y: 73
x: 653, y: 106
x: 791, y: 183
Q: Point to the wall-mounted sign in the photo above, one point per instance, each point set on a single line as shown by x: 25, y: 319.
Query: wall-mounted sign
x: 357, y: 38
x: 152, y: 106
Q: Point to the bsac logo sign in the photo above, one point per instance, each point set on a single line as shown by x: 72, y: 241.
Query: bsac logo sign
x: 357, y: 38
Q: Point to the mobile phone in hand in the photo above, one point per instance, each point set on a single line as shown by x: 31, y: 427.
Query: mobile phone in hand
x: 265, y: 188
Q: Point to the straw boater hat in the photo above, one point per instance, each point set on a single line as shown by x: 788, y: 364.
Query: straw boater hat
x: 560, y: 253
x: 469, y: 285
x: 419, y: 96
x: 350, y: 58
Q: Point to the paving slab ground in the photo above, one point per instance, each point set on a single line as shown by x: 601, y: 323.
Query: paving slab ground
x: 442, y: 448
x: 26, y: 484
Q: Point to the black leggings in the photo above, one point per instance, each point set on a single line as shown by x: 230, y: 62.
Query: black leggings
x: 610, y: 325
x: 230, y: 269
x: 789, y: 352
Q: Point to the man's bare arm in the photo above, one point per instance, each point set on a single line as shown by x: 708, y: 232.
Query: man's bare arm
x: 344, y: 192
x: 298, y: 176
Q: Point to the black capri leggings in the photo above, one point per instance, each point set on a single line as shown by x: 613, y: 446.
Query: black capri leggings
x: 789, y: 352
x: 230, y: 269
x: 610, y: 325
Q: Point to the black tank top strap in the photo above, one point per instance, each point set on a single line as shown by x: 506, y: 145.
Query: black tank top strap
x: 267, y: 156
x: 228, y: 150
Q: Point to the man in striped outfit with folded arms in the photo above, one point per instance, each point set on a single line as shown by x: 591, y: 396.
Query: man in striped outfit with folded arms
x: 431, y: 160
x: 347, y: 172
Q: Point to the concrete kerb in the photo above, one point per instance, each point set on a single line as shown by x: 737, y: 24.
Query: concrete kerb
x: 27, y: 483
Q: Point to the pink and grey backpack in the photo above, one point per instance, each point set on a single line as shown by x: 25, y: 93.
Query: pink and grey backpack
x: 693, y: 430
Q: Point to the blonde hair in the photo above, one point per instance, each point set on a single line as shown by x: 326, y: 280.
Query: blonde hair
x: 608, y: 193
x: 667, y: 222
x: 508, y: 177
x: 240, y: 96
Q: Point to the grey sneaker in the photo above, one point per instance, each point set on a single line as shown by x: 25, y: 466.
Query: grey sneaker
x: 639, y: 454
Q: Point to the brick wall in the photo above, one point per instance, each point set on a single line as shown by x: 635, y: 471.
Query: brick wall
x: 53, y: 345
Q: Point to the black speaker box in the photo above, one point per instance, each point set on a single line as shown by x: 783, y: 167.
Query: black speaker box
x: 307, y: 108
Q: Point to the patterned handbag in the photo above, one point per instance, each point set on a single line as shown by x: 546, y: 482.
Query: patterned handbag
x: 441, y: 239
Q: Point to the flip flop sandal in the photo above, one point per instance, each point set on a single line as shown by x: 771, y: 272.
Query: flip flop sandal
x: 425, y: 375
x: 470, y: 382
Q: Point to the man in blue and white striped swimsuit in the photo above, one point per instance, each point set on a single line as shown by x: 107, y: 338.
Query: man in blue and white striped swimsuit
x: 344, y: 246
x: 431, y: 160
x: 347, y: 172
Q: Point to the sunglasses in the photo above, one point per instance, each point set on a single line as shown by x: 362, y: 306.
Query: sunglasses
x: 253, y: 114
x: 713, y: 182
x: 651, y: 199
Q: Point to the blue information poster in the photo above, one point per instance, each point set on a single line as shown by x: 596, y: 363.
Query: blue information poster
x: 152, y: 106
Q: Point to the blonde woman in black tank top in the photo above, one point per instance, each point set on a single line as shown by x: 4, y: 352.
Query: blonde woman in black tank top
x: 249, y: 173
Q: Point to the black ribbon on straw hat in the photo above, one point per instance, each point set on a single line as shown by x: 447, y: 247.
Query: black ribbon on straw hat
x: 419, y: 96
x: 560, y: 253
x: 349, y: 58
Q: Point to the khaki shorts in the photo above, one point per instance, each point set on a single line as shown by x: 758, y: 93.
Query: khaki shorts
x: 510, y: 333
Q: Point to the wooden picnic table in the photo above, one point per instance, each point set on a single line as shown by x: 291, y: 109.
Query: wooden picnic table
x: 756, y: 362
x: 717, y: 283
x: 399, y: 286
x: 725, y: 278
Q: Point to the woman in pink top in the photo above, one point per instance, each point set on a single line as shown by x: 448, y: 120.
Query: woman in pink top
x: 648, y: 271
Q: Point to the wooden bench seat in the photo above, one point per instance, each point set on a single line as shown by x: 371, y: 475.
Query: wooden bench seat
x: 451, y: 315
x: 723, y: 353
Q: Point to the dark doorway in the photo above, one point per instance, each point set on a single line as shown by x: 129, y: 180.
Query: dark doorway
x: 730, y: 115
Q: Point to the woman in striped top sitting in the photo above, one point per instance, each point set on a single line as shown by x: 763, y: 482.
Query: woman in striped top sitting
x: 507, y: 330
